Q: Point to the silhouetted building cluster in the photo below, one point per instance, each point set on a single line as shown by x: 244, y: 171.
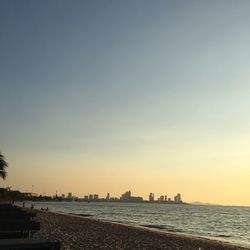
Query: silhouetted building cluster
x: 91, y: 197
x: 165, y: 199
x: 127, y: 197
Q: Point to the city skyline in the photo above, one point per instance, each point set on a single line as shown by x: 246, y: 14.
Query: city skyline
x: 124, y: 197
x: 107, y: 96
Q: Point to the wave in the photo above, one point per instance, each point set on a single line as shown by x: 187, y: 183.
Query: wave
x: 163, y: 227
x: 223, y: 236
x: 84, y: 215
x: 153, y: 226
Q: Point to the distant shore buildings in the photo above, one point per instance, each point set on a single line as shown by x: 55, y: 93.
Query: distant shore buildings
x: 128, y: 197
x: 125, y: 197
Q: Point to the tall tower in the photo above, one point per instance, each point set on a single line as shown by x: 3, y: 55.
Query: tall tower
x: 151, y: 197
x: 108, y: 197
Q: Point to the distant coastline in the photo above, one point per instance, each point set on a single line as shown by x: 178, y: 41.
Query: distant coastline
x: 48, y: 199
x: 15, y: 195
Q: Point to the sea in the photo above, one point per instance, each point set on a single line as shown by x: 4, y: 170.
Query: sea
x: 226, y: 223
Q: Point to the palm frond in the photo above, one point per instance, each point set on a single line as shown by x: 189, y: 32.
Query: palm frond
x: 3, y: 166
x: 3, y: 174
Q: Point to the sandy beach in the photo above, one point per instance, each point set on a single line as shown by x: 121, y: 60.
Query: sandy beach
x: 77, y: 232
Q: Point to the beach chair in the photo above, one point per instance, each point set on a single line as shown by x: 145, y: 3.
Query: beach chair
x: 22, y: 228
x: 16, y: 222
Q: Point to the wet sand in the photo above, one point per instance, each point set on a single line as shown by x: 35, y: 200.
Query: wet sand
x: 77, y: 232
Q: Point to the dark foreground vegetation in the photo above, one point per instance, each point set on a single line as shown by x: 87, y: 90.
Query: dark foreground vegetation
x: 9, y: 195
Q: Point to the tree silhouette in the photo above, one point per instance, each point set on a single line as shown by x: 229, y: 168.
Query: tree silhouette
x: 3, y: 166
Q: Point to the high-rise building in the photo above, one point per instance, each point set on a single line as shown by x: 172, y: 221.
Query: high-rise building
x: 161, y: 198
x: 108, y: 197
x: 177, y: 198
x: 91, y: 197
x: 70, y: 196
x: 126, y: 196
x: 96, y: 196
x: 151, y: 197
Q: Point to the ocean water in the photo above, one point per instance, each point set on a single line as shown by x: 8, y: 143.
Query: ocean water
x: 225, y: 223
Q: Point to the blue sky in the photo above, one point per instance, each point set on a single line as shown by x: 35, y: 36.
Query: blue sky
x: 124, y: 81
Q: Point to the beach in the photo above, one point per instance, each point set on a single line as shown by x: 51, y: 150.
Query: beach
x: 76, y: 232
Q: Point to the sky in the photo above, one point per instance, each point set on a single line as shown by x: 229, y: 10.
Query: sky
x: 110, y: 96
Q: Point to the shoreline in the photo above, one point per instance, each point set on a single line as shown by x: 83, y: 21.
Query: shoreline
x: 80, y: 232
x: 150, y: 228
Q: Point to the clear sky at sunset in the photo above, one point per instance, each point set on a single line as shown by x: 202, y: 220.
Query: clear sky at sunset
x: 109, y: 96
